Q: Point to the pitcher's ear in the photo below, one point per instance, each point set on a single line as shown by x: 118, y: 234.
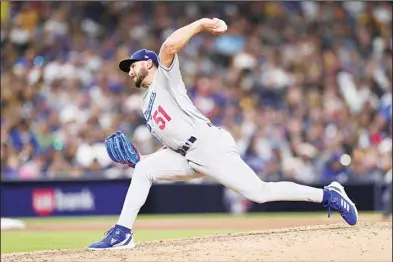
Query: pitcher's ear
x: 150, y: 64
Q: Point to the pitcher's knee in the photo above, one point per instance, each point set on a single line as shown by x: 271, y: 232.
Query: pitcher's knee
x: 258, y: 193
x: 142, y: 165
x: 257, y: 197
x: 142, y: 169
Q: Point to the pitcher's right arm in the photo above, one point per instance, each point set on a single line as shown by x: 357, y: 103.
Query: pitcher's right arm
x: 178, y: 39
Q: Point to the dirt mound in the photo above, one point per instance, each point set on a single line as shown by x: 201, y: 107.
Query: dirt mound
x: 368, y: 241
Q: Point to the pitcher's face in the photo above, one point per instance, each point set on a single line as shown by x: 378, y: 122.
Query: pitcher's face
x: 138, y: 72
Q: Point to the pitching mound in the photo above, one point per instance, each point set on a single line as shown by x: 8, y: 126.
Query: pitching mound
x: 368, y: 241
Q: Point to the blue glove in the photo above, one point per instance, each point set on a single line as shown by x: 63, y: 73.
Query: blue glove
x: 121, y: 150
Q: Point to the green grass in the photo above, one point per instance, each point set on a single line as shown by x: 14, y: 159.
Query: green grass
x: 20, y: 241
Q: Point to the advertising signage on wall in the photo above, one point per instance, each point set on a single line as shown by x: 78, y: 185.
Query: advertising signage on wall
x: 45, y: 201
x: 105, y: 197
x: 64, y: 198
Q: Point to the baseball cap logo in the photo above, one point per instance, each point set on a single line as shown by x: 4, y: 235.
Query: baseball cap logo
x: 146, y: 56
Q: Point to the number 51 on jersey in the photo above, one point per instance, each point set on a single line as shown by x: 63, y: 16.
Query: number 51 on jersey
x: 160, y: 117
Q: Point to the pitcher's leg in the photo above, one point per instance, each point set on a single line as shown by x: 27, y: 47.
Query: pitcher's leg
x: 162, y: 165
x: 234, y: 173
x: 231, y: 171
x: 215, y: 155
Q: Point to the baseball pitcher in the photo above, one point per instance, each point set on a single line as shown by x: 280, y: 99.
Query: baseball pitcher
x: 193, y: 146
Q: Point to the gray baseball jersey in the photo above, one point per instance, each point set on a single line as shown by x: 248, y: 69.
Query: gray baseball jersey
x: 170, y: 114
x: 172, y: 118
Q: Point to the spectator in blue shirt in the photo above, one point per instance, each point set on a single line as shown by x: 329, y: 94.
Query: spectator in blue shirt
x: 22, y: 137
x: 334, y: 170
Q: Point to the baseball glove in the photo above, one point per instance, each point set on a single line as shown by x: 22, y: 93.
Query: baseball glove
x: 121, y: 150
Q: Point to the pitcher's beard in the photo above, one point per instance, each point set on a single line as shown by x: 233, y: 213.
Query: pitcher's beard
x: 140, y: 77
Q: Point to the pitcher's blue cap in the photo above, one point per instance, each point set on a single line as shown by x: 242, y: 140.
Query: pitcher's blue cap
x: 140, y: 55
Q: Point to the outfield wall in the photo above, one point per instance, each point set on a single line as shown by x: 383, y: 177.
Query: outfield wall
x: 105, y: 197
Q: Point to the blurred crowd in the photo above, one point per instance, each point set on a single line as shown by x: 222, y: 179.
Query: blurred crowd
x: 304, y: 87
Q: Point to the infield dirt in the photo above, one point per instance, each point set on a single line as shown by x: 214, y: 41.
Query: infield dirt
x: 276, y: 240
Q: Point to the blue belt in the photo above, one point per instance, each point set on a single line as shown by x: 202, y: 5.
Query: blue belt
x: 183, y: 150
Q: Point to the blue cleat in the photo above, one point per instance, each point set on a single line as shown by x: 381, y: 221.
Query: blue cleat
x: 118, y: 237
x: 336, y: 198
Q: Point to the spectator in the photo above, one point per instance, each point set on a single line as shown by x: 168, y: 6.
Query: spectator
x: 59, y: 167
x: 32, y: 169
x: 334, y: 170
x: 285, y: 78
